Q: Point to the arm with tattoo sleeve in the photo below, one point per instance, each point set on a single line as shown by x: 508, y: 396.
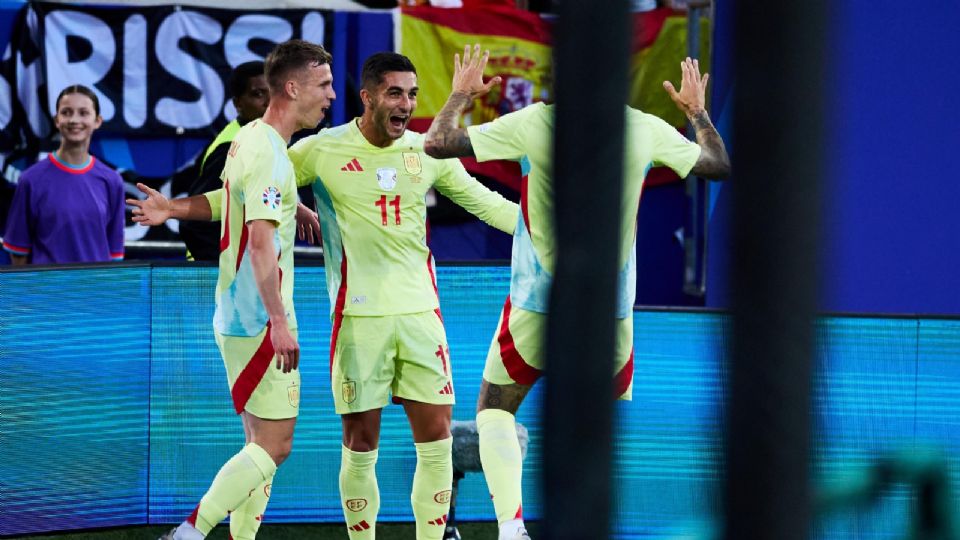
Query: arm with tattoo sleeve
x: 714, y: 161
x: 445, y: 139
x: 691, y: 99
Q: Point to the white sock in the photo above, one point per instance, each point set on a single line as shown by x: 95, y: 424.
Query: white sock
x: 508, y: 529
x: 187, y: 531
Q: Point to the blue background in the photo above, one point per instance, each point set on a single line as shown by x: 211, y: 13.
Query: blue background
x: 115, y: 410
x: 890, y: 225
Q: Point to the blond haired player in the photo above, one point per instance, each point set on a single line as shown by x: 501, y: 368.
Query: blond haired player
x: 255, y: 324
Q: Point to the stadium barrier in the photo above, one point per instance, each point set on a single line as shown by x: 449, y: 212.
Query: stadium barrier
x: 114, y: 409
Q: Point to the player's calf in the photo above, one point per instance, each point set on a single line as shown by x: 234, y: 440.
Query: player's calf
x: 432, y: 483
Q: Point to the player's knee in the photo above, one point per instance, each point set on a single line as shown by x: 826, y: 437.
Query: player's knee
x: 284, y: 451
x: 358, y: 444
x: 359, y: 439
x: 435, y: 431
x: 280, y: 450
x: 431, y: 427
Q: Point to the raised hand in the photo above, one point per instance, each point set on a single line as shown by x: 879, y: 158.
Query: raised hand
x: 152, y: 211
x: 468, y: 74
x: 692, y: 100
x: 692, y: 97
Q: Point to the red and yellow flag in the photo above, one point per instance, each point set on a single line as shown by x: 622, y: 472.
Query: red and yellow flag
x: 520, y: 53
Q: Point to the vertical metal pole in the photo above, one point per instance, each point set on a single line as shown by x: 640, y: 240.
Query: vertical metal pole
x: 590, y: 52
x: 778, y: 131
x: 697, y: 189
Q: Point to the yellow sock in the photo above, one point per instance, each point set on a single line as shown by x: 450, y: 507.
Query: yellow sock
x: 245, y: 520
x: 502, y: 462
x: 359, y: 494
x: 246, y: 470
x: 431, y: 488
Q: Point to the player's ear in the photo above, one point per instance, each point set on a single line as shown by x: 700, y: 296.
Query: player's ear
x: 365, y: 97
x: 291, y: 88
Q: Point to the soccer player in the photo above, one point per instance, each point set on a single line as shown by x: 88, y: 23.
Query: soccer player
x: 255, y: 324
x: 248, y: 85
x: 68, y: 208
x: 370, y: 177
x: 515, y: 359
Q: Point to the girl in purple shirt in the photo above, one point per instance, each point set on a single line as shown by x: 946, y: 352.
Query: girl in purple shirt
x: 68, y: 208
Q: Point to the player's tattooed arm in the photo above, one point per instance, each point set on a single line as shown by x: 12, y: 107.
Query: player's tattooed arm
x: 445, y: 139
x: 692, y: 100
x: 506, y: 397
x: 714, y: 161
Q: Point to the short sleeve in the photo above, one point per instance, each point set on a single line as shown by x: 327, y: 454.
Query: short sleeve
x: 300, y: 157
x: 215, y: 199
x: 671, y: 148
x: 16, y: 238
x: 263, y: 183
x: 502, y: 138
x: 115, y: 225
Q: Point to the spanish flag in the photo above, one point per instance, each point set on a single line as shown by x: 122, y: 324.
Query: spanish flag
x: 520, y: 53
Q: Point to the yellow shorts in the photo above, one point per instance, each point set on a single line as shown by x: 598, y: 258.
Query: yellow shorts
x: 518, y: 349
x: 403, y: 355
x: 256, y: 385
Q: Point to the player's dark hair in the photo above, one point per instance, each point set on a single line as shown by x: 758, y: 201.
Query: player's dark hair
x: 80, y: 89
x: 381, y: 63
x: 290, y: 56
x: 240, y: 78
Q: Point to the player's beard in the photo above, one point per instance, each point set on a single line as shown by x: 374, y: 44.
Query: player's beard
x: 382, y: 120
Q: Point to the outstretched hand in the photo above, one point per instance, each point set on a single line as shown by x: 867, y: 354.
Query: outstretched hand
x: 468, y: 74
x: 152, y: 211
x: 692, y: 97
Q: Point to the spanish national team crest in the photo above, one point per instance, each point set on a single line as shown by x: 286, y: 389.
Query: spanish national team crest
x: 442, y: 497
x: 293, y: 394
x: 411, y: 163
x: 271, y: 198
x: 355, y: 505
x: 387, y: 177
x: 348, y: 391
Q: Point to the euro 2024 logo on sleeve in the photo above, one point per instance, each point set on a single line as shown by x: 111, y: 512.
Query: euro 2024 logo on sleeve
x: 271, y: 198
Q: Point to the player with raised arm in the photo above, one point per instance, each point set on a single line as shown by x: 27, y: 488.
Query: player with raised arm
x: 516, y: 354
x: 255, y: 324
x: 370, y: 177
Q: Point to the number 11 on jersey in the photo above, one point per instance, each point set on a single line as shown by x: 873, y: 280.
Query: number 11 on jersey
x: 382, y: 203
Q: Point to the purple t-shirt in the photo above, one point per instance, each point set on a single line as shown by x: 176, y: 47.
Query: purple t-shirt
x: 65, y: 214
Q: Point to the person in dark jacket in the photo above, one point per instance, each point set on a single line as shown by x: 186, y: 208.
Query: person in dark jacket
x: 250, y: 97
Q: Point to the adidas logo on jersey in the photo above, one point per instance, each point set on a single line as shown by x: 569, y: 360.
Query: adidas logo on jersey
x: 362, y: 526
x: 439, y: 521
x: 447, y: 390
x: 352, y: 166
